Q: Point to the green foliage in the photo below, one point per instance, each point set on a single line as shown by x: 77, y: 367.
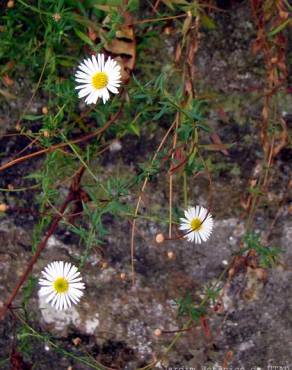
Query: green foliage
x: 42, y: 42
x: 268, y: 256
x: 28, y: 289
x: 212, y: 293
x: 187, y: 307
x: 25, y: 344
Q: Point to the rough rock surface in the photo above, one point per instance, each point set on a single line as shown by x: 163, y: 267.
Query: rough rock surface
x: 113, y: 313
x: 117, y: 323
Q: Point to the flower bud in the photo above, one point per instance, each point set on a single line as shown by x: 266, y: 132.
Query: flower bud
x: 159, y: 238
x: 3, y: 207
x: 157, y: 332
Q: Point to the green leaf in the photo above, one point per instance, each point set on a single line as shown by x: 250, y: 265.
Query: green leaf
x: 31, y: 117
x: 66, y: 62
x: 255, y: 191
x: 203, y: 127
x: 134, y: 128
x: 280, y: 27
x: 208, y: 22
x: 268, y: 255
x: 83, y: 37
x: 216, y: 147
x: 195, y: 314
x: 133, y: 5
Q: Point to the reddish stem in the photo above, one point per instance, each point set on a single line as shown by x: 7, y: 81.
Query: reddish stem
x: 40, y: 248
x: 74, y: 193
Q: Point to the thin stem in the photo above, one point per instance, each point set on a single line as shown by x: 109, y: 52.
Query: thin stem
x: 62, y: 145
x: 57, y: 218
x: 132, y: 246
x: 37, y: 87
x: 171, y: 174
x: 185, y: 186
x: 35, y: 257
x: 34, y: 333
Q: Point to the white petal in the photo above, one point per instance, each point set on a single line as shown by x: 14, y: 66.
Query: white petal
x: 82, y: 75
x: 84, y: 86
x: 49, y: 272
x: 84, y: 92
x: 75, y: 280
x: 72, y: 271
x: 67, y: 267
x: 84, y: 68
x: 184, y: 227
x: 114, y: 82
x: 202, y: 214
x: 73, y: 299
x: 204, y: 237
x: 113, y: 89
x: 67, y: 300
x: 90, y: 66
x: 105, y: 96
x: 95, y: 96
x: 191, y: 237
x: 100, y: 60
x: 64, y: 303
x: 89, y: 99
x: 52, y: 296
x: 45, y: 282
x: 197, y: 238
x: 61, y: 268
x: 77, y: 285
x: 46, y: 290
x: 190, y: 214
x: 75, y: 292
x: 56, y: 302
x: 83, y: 80
x: 95, y: 64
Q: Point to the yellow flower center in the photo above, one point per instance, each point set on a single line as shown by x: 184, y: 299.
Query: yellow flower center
x: 99, y: 80
x: 196, y: 224
x: 61, y: 285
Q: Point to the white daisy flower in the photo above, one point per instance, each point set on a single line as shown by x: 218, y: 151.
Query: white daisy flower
x: 62, y: 284
x: 197, y: 224
x: 97, y: 78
